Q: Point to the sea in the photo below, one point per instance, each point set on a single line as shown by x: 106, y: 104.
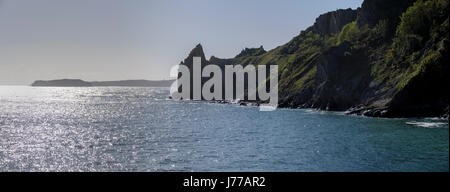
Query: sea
x: 140, y: 129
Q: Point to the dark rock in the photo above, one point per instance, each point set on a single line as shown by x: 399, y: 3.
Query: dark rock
x: 346, y: 77
x: 445, y: 115
x: 372, y: 11
x: 332, y: 22
x: 252, y: 52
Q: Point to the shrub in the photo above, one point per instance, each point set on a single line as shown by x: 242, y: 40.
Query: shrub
x: 349, y: 33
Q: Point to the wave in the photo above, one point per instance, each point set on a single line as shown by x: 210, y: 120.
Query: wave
x: 428, y: 124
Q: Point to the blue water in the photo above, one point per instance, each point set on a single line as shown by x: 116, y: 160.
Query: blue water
x: 138, y: 129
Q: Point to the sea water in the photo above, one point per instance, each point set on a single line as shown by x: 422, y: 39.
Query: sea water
x: 139, y: 129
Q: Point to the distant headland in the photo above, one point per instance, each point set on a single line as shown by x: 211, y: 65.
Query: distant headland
x: 81, y: 83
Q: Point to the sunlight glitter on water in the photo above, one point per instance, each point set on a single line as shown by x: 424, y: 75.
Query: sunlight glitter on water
x: 138, y: 129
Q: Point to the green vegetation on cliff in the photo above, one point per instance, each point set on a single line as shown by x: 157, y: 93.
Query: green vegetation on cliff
x: 349, y: 33
x: 388, y: 58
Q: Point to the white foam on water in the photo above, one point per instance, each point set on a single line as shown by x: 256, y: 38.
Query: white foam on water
x: 428, y: 124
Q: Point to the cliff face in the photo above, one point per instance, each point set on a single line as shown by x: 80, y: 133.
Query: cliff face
x: 387, y: 59
x: 196, y: 52
x: 332, y: 22
x: 372, y: 11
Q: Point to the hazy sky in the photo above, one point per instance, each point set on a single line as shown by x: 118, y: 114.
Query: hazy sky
x: 139, y: 39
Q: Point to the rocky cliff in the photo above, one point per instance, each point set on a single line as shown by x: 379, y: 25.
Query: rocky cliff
x: 385, y: 59
x: 332, y: 22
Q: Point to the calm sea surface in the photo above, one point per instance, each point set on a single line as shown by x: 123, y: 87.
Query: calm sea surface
x: 138, y: 129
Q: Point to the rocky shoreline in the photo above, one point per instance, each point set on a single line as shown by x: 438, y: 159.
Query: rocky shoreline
x: 360, y: 111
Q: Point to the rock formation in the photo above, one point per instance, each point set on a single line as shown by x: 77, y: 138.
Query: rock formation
x: 385, y: 59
